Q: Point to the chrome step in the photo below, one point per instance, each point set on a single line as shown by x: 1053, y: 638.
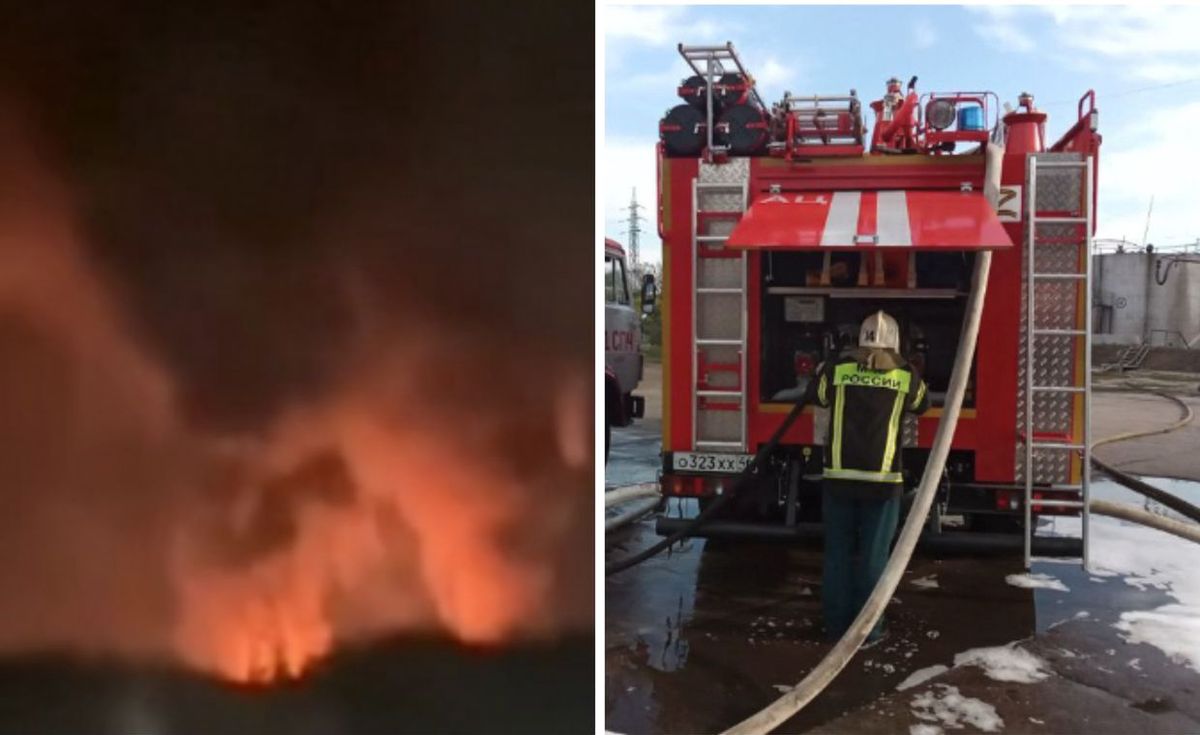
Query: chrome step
x: 1063, y: 276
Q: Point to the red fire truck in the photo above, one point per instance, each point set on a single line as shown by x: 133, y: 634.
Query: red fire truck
x: 783, y: 226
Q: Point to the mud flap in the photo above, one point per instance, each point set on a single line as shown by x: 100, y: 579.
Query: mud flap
x: 635, y: 406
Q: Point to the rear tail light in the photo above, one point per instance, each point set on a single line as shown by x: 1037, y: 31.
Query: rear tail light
x: 1008, y: 500
x: 693, y: 486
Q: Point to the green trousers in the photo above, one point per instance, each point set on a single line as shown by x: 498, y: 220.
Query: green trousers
x: 858, y: 535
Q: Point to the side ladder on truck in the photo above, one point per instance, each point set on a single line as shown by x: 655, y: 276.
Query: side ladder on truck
x: 719, y: 316
x: 1057, y: 377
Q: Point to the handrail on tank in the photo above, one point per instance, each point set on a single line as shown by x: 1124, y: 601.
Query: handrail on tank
x: 1089, y: 96
x: 658, y: 156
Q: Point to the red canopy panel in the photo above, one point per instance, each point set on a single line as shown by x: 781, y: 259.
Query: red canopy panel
x: 922, y: 220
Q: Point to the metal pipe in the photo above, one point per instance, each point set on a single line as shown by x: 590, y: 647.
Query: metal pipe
x: 708, y: 99
x: 1086, y: 469
x: 695, y: 377
x: 1031, y: 234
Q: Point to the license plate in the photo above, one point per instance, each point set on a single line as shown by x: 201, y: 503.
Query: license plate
x: 701, y: 462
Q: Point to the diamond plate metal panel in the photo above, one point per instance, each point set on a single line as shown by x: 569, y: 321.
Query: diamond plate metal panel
x: 719, y: 273
x: 719, y: 316
x: 1060, y: 189
x: 735, y: 171
x: 718, y: 226
x: 1057, y: 304
x: 714, y: 425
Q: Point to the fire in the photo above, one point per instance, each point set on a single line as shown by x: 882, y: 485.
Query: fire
x: 272, y: 618
x: 377, y: 504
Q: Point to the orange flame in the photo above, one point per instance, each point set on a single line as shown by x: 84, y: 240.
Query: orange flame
x: 438, y: 528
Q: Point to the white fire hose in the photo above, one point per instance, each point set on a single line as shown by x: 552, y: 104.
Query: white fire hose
x: 631, y: 492
x: 642, y: 498
x: 1126, y: 512
x: 820, y: 677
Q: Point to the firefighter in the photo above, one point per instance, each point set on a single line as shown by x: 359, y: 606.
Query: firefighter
x: 868, y: 390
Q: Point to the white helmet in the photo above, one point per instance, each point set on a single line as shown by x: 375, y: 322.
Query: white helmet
x: 881, y: 331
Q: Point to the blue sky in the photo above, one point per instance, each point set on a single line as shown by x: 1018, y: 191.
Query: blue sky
x: 1143, y: 62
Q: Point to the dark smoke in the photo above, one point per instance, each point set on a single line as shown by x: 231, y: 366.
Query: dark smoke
x: 228, y: 162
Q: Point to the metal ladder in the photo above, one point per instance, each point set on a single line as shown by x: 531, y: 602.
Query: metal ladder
x: 710, y: 62
x: 1077, y: 334
x: 706, y: 289
x: 1132, y: 357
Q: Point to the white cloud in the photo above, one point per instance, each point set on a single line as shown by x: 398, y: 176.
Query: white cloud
x: 665, y: 80
x: 1165, y: 71
x: 1155, y: 156
x: 1004, y: 34
x: 629, y: 163
x: 655, y: 25
x: 648, y: 25
x: 924, y: 35
x: 773, y: 74
x: 1128, y: 31
x: 1146, y: 42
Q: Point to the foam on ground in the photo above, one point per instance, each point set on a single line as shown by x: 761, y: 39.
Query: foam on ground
x: 1036, y: 581
x: 920, y: 676
x: 1005, y: 663
x: 928, y: 582
x: 1149, y: 559
x: 951, y: 709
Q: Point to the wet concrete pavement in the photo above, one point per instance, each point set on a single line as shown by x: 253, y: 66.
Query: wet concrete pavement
x: 703, y: 637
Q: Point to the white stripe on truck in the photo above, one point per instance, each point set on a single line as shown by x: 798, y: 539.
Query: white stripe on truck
x: 841, y: 225
x: 891, y: 219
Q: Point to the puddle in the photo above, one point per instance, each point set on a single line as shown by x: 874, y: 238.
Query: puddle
x: 1143, y: 584
x: 633, y: 456
x: 738, y: 620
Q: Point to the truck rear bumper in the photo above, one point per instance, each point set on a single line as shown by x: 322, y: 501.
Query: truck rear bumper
x: 933, y: 543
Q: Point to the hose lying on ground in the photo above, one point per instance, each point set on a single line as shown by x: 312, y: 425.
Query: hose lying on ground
x: 1189, y: 531
x: 1177, y: 504
x: 820, y: 677
x: 721, y: 500
x: 631, y: 492
x: 637, y: 509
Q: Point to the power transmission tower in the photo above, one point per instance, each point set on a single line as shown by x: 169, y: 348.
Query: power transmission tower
x: 1146, y: 232
x: 634, y: 229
